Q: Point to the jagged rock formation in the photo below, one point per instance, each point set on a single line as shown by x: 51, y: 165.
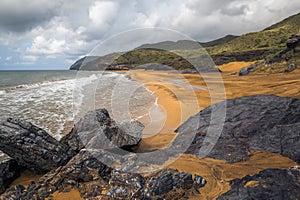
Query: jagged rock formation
x: 87, y: 174
x: 96, y: 128
x: 32, y: 147
x: 260, y: 122
x: 93, y: 170
x: 274, y: 184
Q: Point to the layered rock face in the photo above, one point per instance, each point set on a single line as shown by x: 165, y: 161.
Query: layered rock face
x: 32, y: 147
x: 97, y: 130
x: 260, y: 122
x: 274, y: 184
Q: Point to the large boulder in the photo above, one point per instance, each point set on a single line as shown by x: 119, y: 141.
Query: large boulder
x: 32, y: 147
x: 274, y: 184
x: 97, y: 130
x: 260, y: 122
x: 9, y: 170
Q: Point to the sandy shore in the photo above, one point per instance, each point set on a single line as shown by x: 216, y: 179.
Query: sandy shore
x: 178, y: 103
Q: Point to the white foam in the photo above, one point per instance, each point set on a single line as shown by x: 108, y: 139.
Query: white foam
x: 50, y: 105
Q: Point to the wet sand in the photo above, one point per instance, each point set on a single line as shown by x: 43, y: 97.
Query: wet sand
x: 178, y: 103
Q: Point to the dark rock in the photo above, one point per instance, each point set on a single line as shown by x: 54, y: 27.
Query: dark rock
x: 199, y: 181
x: 132, y: 181
x: 97, y: 130
x: 83, y: 171
x: 118, y: 193
x: 183, y: 180
x: 32, y: 147
x: 9, y: 171
x: 260, y: 122
x: 276, y: 184
x: 293, y: 42
x: 291, y: 45
x: 20, y: 192
x: 246, y: 70
x: 117, y: 67
x: 90, y: 189
x: 162, y: 184
x: 246, y: 56
x: 84, y: 167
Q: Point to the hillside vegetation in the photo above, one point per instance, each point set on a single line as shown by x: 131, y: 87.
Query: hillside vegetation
x: 249, y: 47
x: 271, y: 38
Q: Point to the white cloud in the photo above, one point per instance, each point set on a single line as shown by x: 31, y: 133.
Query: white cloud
x: 50, y: 46
x: 29, y: 59
x: 8, y: 58
x: 102, y: 13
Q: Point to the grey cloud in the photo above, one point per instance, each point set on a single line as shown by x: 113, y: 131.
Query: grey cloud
x: 20, y: 16
x: 236, y: 10
x: 200, y: 19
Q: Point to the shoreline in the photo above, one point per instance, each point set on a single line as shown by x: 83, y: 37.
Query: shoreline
x: 218, y: 173
x: 178, y: 104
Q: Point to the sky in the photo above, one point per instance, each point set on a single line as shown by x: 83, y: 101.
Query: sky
x: 52, y: 34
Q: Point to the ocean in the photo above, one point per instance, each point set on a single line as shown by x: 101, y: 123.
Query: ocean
x: 53, y: 100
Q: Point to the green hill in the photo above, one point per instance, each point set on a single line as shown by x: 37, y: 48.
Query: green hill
x: 249, y: 47
x: 271, y: 38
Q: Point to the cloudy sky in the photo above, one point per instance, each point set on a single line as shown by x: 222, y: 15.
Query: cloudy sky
x: 51, y: 34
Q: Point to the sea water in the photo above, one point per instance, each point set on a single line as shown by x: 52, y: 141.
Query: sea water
x: 52, y: 99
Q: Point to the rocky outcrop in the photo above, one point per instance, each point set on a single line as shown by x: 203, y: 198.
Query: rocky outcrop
x: 260, y: 122
x: 274, y: 184
x: 82, y: 168
x: 90, y: 177
x: 245, y: 56
x: 165, y: 184
x: 291, y: 44
x: 97, y: 130
x: 9, y: 170
x: 246, y: 70
x: 32, y: 147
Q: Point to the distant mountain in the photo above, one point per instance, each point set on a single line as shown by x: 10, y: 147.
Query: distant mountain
x: 219, y: 41
x: 248, y: 47
x: 94, y: 63
x: 186, y: 44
